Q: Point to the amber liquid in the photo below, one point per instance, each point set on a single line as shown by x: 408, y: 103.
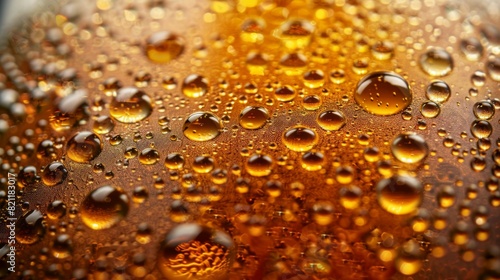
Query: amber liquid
x: 253, y: 139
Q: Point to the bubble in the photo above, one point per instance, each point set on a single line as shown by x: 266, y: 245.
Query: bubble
x: 259, y: 165
x: 436, y: 62
x: 312, y: 161
x: 350, y: 197
x: 481, y: 129
x: 130, y: 105
x: 312, y: 102
x: 430, y: 109
x: 471, y: 48
x: 399, y: 195
x: 438, y: 91
x: 104, y: 207
x: 202, y: 126
x: 253, y: 117
x: 409, y: 148
x: 383, y: 50
x: 30, y: 227
x: 149, y: 156
x: 84, y: 146
x: 314, y: 78
x: 164, y: 46
x: 483, y: 110
x: 296, y: 33
x: 331, y: 120
x: 300, y: 138
x: 383, y: 93
x: 193, y: 251
x: 195, y: 86
x: 203, y: 164
x: 103, y: 125
x: 54, y: 174
x: 174, y: 161
x: 285, y: 93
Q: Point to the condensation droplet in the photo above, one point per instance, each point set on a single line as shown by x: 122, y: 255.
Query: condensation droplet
x: 383, y: 93
x: 436, y: 62
x: 202, y: 126
x: 130, y: 105
x: 399, y: 195
x: 84, y: 147
x: 104, y: 207
x: 300, y: 138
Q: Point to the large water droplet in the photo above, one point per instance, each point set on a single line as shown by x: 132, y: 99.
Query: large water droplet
x: 164, y: 46
x: 383, y: 93
x: 192, y: 251
x: 130, y: 105
x: 104, y: 207
x: 202, y: 126
x: 436, y: 62
x: 84, y: 147
x: 399, y: 195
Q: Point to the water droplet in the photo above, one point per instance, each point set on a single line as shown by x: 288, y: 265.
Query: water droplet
x: 192, y: 251
x: 471, y: 48
x: 383, y: 93
x: 493, y: 68
x: 331, y: 120
x: 259, y: 165
x: 28, y: 177
x: 312, y: 102
x: 409, y: 260
x: 337, y: 76
x: 312, y: 161
x: 56, y: 210
x: 285, y: 93
x: 30, y: 228
x: 296, y: 33
x: 293, y: 64
x: 344, y: 174
x: 436, y: 62
x: 84, y: 147
x: 478, y: 78
x: 382, y: 50
x: 202, y: 126
x: 409, y: 148
x: 104, y: 207
x: 103, y: 125
x: 399, y: 195
x: 149, y: 156
x: 314, y: 78
x: 203, y: 164
x: 54, y: 174
x: 174, y: 161
x: 350, y: 197
x: 252, y: 30
x: 130, y: 105
x: 62, y: 247
x: 164, y: 46
x: 483, y: 110
x: 253, y: 117
x: 481, y: 129
x: 438, y: 91
x: 323, y: 213
x: 195, y: 86
x: 300, y: 138
x: 430, y: 109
